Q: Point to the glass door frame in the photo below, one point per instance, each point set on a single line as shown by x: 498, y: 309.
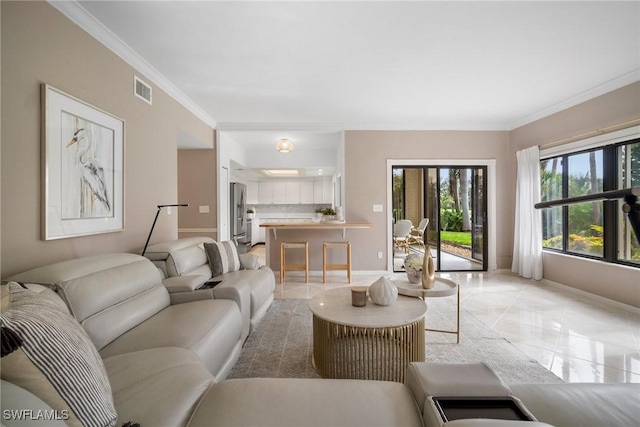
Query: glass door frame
x: 490, y: 184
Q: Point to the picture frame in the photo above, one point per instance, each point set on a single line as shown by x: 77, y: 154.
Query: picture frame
x: 82, y: 168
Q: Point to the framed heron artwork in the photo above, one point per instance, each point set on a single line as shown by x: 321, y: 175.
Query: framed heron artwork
x: 83, y: 164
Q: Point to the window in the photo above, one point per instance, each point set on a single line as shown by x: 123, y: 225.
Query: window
x: 628, y: 177
x: 595, y: 229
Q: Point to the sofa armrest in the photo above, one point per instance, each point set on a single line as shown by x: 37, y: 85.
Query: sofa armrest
x: 249, y: 261
x: 453, y: 379
x: 239, y: 291
x: 485, y: 422
x: 184, y: 283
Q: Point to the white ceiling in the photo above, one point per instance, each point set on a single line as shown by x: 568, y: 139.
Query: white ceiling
x: 331, y: 66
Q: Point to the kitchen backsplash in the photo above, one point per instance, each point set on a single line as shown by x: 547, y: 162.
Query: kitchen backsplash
x: 294, y: 208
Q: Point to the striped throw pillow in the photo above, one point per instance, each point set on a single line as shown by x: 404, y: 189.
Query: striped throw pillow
x: 46, y: 351
x: 223, y: 257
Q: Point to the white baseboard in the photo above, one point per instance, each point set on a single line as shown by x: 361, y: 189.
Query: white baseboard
x: 626, y: 307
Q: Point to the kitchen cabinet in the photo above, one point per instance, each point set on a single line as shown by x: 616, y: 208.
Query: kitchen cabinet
x: 253, y: 193
x: 256, y: 237
x: 293, y: 192
x: 290, y: 192
x: 322, y: 192
x: 265, y: 192
x: 317, y: 192
x: 279, y: 192
x: 327, y: 191
x: 306, y: 192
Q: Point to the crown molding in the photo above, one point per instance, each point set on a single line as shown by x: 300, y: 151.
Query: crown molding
x: 602, y: 89
x: 339, y: 127
x: 79, y: 15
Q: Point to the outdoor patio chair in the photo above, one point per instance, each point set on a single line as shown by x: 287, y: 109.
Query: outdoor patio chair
x: 401, y: 230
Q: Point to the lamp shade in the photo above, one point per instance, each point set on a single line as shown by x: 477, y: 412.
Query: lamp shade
x: 284, y: 146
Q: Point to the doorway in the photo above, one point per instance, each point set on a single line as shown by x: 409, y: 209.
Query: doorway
x: 445, y: 210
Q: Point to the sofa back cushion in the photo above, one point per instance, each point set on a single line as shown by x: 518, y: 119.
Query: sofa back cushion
x: 46, y: 351
x: 108, y: 294
x: 181, y: 257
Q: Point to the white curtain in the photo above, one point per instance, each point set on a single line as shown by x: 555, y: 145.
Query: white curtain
x: 527, y: 242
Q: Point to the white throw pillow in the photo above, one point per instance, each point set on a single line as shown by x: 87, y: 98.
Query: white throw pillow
x: 48, y: 353
x: 223, y: 257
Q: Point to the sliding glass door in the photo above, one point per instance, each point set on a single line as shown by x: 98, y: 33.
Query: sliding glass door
x: 452, y: 203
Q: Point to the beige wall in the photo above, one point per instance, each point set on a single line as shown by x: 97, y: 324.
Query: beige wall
x: 39, y: 45
x: 197, y: 187
x: 612, y: 281
x: 366, y: 154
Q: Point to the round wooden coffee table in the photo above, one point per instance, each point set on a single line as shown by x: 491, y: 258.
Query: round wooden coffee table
x: 372, y: 342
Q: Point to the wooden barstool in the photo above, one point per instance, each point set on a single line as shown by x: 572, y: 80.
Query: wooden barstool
x: 289, y: 267
x: 325, y: 266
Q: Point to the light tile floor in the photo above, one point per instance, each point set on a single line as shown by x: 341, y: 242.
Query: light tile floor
x: 577, y: 337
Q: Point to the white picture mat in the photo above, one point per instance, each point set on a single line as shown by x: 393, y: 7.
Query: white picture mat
x: 71, y: 208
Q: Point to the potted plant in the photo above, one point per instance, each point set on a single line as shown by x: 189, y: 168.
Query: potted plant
x: 319, y: 213
x: 329, y: 214
x: 413, y: 266
x: 250, y: 213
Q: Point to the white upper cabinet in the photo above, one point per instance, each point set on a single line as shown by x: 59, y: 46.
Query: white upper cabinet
x: 253, y: 193
x: 322, y: 192
x: 306, y: 192
x: 318, y: 192
x: 293, y: 191
x: 290, y: 192
x: 265, y: 193
x: 327, y: 191
x: 279, y: 193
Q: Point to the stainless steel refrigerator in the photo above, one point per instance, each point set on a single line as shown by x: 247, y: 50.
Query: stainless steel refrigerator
x: 238, y: 216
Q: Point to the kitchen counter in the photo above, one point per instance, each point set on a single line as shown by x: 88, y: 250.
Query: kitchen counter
x: 313, y: 225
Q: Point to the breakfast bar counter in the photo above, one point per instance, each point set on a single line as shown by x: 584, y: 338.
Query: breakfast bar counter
x: 314, y: 225
x: 313, y: 232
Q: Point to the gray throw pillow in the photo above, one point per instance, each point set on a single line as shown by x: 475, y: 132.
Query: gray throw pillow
x: 223, y: 257
x: 48, y: 353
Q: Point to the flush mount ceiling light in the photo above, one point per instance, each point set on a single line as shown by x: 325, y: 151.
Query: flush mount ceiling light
x: 284, y: 146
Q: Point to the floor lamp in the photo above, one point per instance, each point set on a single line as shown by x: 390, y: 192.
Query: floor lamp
x: 156, y: 219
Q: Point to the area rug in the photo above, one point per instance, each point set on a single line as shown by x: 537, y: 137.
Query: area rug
x: 282, y: 346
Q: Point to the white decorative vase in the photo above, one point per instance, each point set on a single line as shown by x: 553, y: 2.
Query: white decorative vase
x: 383, y: 292
x: 428, y: 272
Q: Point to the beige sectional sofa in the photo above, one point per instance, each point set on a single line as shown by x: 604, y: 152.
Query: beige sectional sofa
x: 185, y: 267
x: 165, y: 365
x: 121, y: 303
x: 165, y: 362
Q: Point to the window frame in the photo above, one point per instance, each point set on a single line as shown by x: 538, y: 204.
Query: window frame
x: 611, y: 218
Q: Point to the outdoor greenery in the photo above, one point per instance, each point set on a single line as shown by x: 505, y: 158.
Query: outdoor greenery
x: 456, y: 237
x: 451, y: 219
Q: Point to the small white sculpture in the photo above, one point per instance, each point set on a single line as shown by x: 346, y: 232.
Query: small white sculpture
x: 383, y: 292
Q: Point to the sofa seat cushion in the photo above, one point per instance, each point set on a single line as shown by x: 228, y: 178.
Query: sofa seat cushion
x: 298, y: 402
x: 581, y: 404
x: 261, y: 284
x: 212, y: 329
x: 157, y: 387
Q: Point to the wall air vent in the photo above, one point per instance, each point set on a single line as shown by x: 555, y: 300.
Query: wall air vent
x: 141, y: 89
